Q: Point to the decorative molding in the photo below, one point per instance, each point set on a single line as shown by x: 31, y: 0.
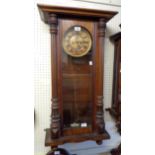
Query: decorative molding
x: 46, y: 10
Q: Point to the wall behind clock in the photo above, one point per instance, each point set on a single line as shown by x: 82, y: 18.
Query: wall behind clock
x: 42, y: 79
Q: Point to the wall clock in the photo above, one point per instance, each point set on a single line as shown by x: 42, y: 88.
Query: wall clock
x: 77, y: 39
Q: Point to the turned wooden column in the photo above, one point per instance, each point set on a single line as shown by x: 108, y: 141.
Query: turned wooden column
x: 100, y: 70
x: 55, y: 116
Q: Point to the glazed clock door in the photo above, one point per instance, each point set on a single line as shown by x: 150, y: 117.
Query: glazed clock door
x: 77, y: 76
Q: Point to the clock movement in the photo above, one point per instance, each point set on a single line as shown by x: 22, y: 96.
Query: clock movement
x: 77, y: 54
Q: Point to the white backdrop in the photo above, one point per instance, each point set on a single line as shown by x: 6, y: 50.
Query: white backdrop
x: 42, y: 67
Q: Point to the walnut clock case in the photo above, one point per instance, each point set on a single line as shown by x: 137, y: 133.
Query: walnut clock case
x: 77, y: 38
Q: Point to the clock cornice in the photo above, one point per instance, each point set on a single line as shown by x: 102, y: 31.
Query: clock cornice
x: 46, y: 10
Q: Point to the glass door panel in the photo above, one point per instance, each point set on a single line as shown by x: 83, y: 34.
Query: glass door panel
x: 77, y: 90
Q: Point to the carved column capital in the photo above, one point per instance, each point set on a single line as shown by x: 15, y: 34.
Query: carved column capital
x: 53, y: 22
x: 101, y: 27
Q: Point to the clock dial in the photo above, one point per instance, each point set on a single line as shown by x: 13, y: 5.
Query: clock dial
x: 77, y: 41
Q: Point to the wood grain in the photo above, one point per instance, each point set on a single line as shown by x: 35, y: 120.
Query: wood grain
x: 45, y: 10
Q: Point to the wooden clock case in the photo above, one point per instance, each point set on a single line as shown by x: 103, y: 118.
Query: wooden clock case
x: 88, y: 76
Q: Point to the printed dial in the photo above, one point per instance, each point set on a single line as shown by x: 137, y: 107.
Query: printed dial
x: 77, y: 41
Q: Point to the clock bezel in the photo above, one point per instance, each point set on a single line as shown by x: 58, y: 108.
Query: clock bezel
x: 90, y: 40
